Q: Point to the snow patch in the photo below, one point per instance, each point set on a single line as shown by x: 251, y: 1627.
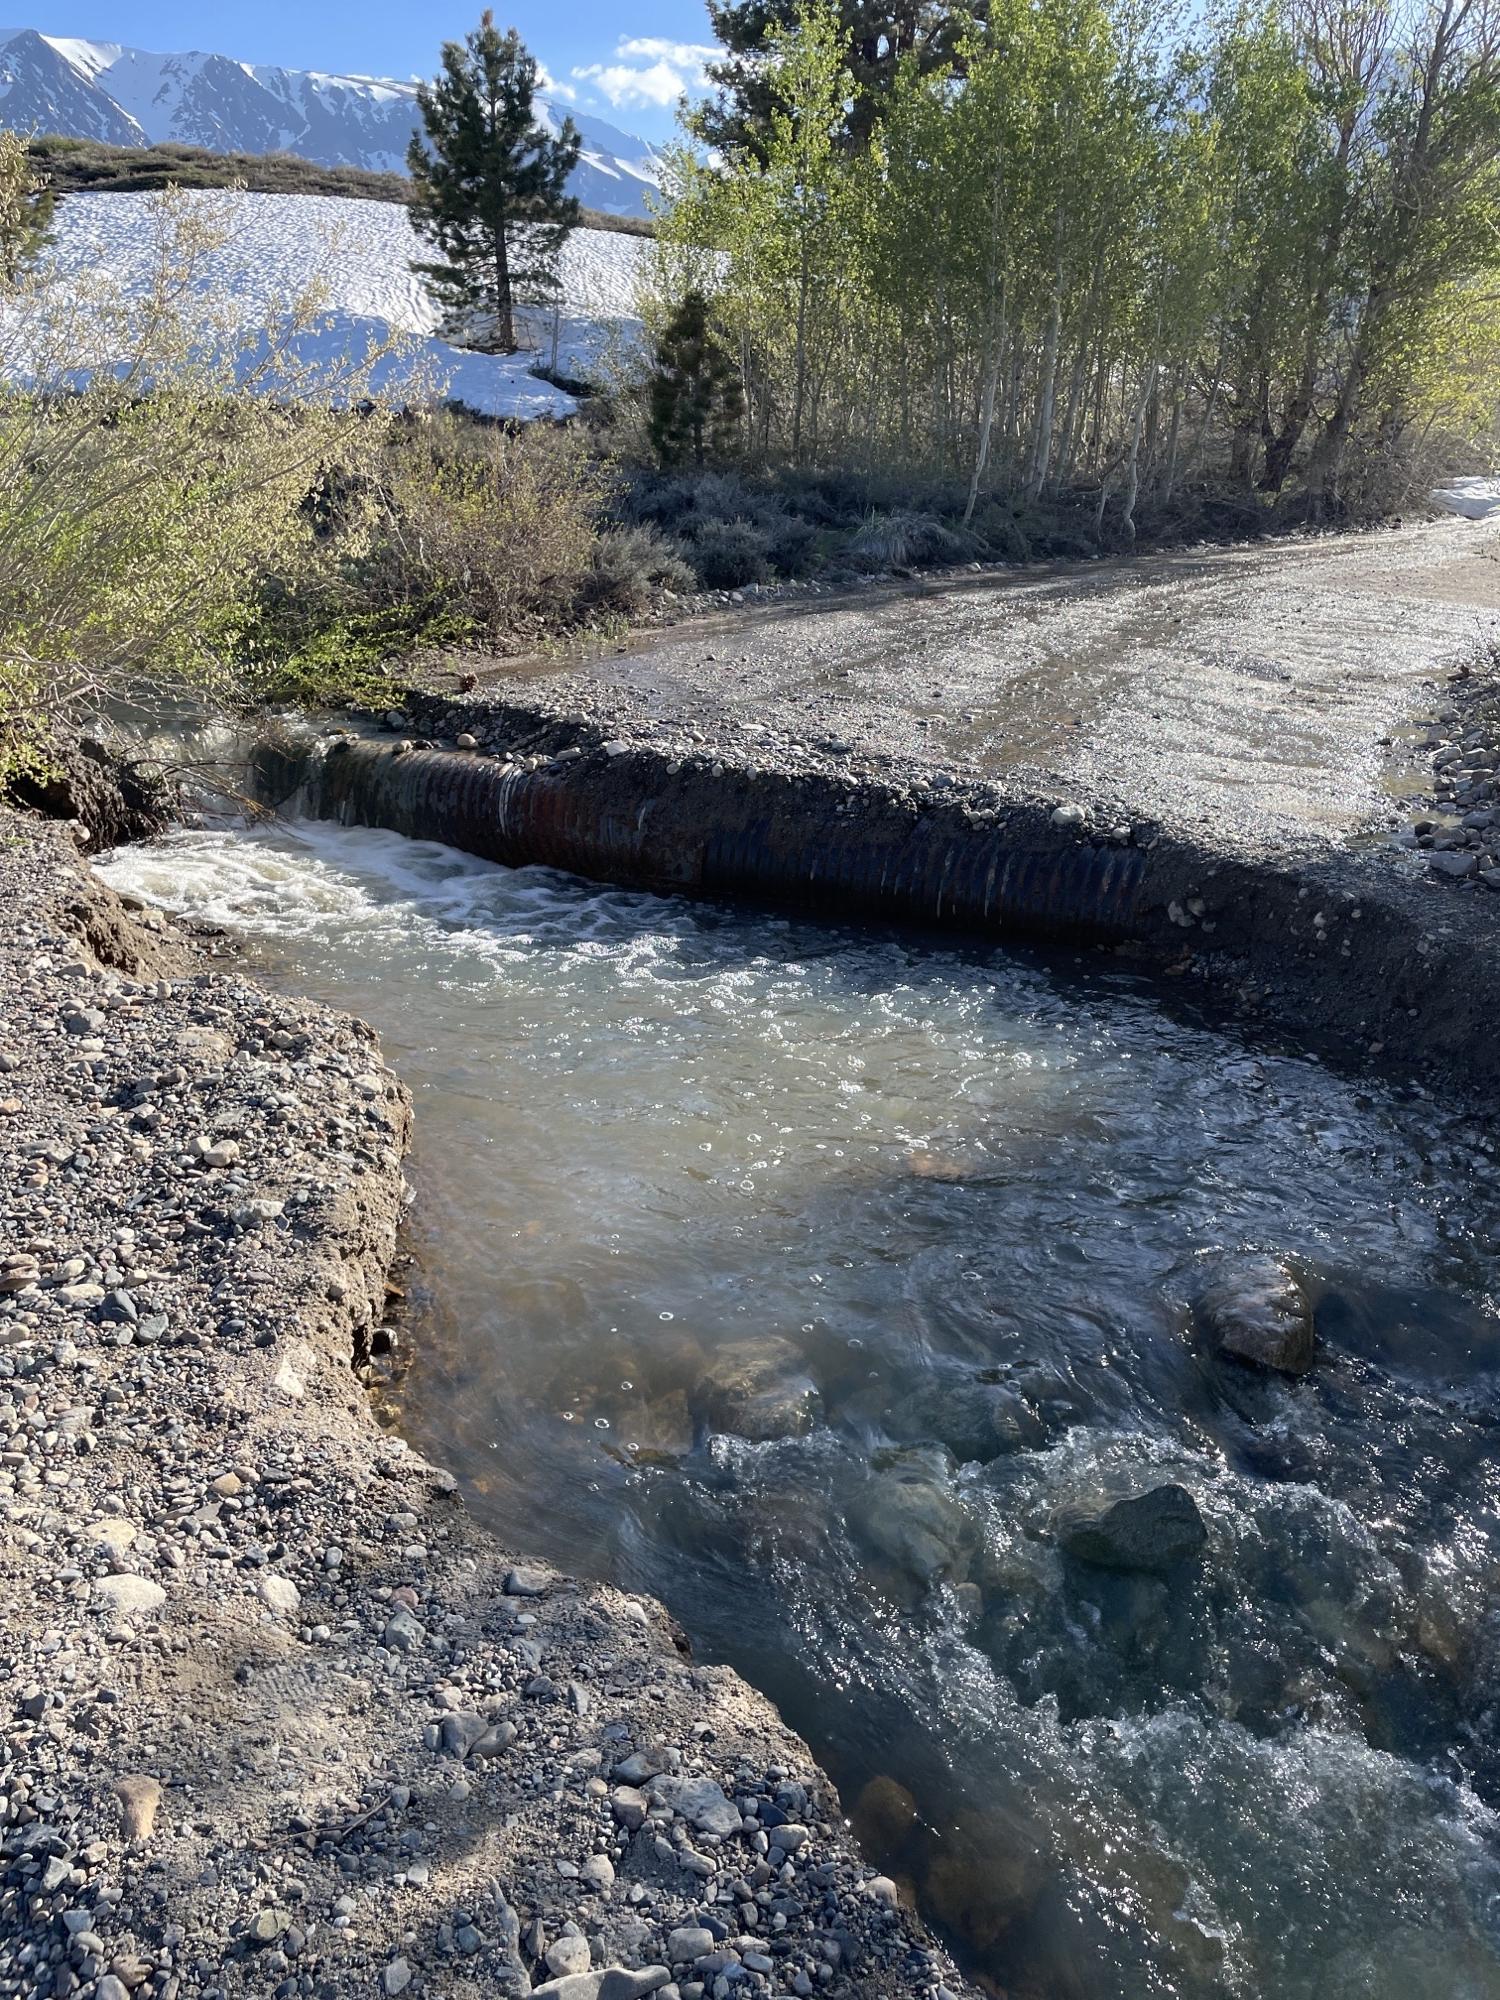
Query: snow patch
x: 1475, y: 499
x: 361, y: 254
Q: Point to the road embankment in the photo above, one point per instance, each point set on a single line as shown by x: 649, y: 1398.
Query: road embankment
x: 1354, y: 950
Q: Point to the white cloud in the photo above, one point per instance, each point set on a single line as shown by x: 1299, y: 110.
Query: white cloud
x: 649, y: 70
x: 549, y: 86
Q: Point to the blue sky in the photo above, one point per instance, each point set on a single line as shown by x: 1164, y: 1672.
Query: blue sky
x: 632, y: 78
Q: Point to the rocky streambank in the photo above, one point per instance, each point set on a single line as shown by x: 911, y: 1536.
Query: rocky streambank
x: 1460, y: 831
x: 278, y: 1718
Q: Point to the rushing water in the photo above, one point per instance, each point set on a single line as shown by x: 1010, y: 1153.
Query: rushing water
x: 806, y: 1279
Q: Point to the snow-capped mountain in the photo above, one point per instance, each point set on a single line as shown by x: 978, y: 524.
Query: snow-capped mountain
x: 130, y: 97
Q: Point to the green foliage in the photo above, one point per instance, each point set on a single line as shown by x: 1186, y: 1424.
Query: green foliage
x: 729, y: 554
x: 488, y: 186
x: 157, y: 460
x: 631, y: 565
x: 910, y: 541
x: 696, y: 402
x: 491, y: 526
x: 27, y: 200
x: 1109, y: 251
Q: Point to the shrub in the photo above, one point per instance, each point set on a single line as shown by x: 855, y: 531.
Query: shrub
x: 487, y: 529
x: 684, y: 501
x: 630, y: 565
x: 902, y: 540
x: 156, y: 463
x: 729, y: 554
x: 793, y: 546
x: 1001, y: 529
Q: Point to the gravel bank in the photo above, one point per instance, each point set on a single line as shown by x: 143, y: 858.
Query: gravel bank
x: 1460, y: 834
x: 278, y: 1719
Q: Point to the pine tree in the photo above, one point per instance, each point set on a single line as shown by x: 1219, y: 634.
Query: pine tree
x: 27, y: 201
x: 875, y: 37
x: 697, y: 403
x: 488, y: 185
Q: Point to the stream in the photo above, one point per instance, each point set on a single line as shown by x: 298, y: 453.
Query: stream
x: 808, y: 1279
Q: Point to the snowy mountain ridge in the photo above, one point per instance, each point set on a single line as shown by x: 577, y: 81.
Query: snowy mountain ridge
x: 125, y: 96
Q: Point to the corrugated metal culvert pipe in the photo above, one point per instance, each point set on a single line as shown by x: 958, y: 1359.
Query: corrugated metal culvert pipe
x: 815, y: 843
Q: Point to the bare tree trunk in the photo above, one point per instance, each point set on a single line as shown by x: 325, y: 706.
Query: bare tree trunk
x: 800, y: 390
x: 1077, y: 396
x: 994, y: 338
x: 1210, y: 403
x: 1174, y: 434
x: 1133, y: 454
x: 1041, y: 444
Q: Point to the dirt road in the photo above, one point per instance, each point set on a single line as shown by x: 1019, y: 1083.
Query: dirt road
x: 1241, y: 688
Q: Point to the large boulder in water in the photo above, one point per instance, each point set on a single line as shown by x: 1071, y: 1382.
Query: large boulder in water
x: 1153, y: 1531
x: 1253, y: 1310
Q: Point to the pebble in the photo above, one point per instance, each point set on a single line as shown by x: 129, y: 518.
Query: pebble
x: 599, y: 1873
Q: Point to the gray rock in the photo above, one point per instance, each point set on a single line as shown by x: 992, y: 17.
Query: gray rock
x: 638, y: 1767
x: 911, y: 1518
x: 1253, y: 1310
x: 629, y: 1807
x: 462, y: 1729
x: 614, y: 1982
x: 280, y: 1593
x: 758, y: 1390
x: 599, y: 1872
x: 568, y: 1954
x: 396, y: 1977
x: 1455, y: 865
x: 497, y: 1739
x: 699, y: 1801
x: 1156, y: 1530
x: 527, y: 1582
x: 687, y: 1943
x: 128, y: 1596
x: 404, y: 1632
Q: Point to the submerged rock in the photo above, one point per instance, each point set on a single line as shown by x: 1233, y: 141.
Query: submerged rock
x: 1148, y: 1531
x: 1253, y: 1310
x: 911, y: 1518
x: 884, y: 1815
x: 759, y: 1390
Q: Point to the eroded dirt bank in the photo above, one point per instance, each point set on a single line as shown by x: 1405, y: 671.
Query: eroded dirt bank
x: 278, y: 1718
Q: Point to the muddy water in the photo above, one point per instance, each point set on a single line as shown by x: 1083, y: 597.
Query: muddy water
x: 810, y: 1280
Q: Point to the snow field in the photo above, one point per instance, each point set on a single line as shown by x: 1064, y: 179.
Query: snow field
x: 360, y: 253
